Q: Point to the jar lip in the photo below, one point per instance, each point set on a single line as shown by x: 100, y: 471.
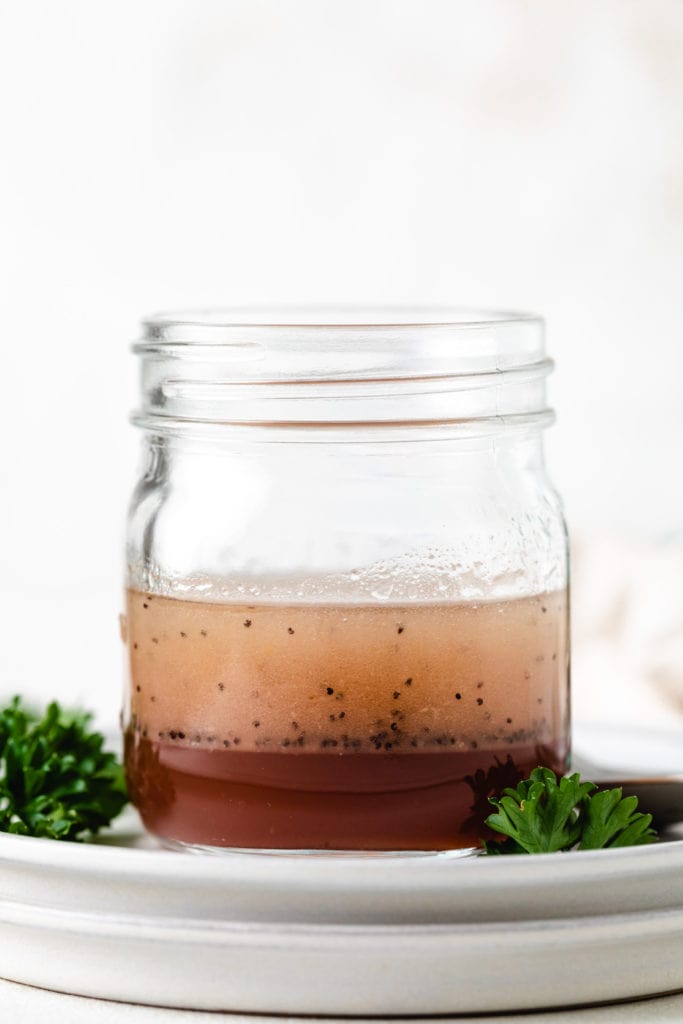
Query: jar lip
x: 328, y: 318
x: 270, y: 344
x: 389, y: 365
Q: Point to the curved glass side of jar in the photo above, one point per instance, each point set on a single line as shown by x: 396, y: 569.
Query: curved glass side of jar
x: 344, y: 634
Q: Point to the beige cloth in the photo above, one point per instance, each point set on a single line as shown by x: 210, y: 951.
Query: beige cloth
x: 627, y: 610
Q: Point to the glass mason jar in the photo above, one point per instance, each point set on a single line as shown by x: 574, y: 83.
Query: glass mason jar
x: 347, y: 613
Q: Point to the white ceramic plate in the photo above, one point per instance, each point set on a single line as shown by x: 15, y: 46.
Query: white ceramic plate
x: 344, y: 935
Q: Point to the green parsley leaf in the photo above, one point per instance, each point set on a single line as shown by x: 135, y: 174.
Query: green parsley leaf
x: 56, y: 780
x: 544, y: 815
x: 611, y: 820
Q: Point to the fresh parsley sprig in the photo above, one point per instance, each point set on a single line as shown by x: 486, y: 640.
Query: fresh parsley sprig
x: 545, y: 815
x: 56, y: 780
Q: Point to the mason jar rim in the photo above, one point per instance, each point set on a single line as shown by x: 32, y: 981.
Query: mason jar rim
x: 342, y: 365
x: 342, y: 316
x: 324, y: 316
x: 270, y: 343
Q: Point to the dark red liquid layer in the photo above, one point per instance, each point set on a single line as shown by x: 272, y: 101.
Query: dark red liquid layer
x: 330, y: 801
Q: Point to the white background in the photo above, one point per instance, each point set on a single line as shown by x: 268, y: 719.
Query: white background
x: 164, y: 154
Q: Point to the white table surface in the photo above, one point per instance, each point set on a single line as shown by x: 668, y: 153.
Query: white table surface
x: 24, y: 1005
